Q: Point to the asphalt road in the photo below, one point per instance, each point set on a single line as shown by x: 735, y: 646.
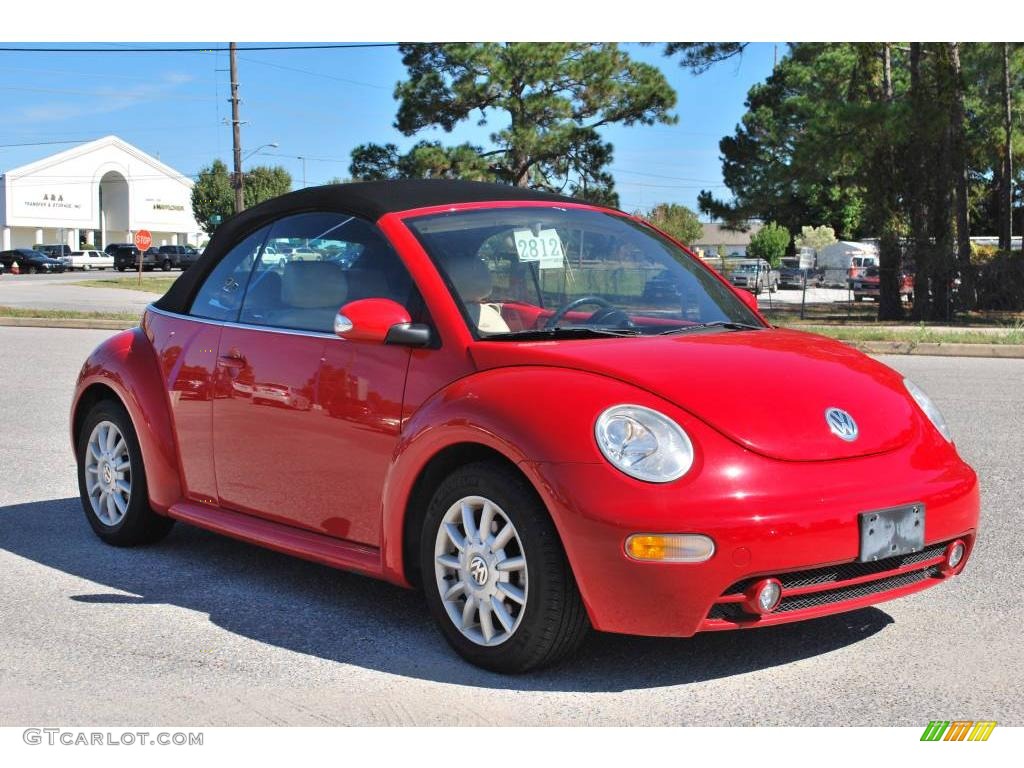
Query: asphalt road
x: 202, y: 630
x: 59, y: 291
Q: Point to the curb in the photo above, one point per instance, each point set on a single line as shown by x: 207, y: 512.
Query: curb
x: 938, y: 349
x: 56, y: 322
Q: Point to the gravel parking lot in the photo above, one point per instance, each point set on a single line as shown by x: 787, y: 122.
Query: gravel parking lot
x: 202, y: 630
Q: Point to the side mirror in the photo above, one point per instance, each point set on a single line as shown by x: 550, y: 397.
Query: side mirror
x: 382, y: 321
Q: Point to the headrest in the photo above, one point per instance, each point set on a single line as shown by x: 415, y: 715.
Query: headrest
x: 313, y: 284
x: 471, y: 278
x: 366, y: 283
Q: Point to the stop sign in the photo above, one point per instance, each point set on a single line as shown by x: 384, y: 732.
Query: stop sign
x: 143, y: 239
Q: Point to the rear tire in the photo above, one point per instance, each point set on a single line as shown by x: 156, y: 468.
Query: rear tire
x: 112, y: 479
x: 519, y: 577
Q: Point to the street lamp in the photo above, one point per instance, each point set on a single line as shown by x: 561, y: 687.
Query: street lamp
x: 271, y: 145
x: 239, y: 177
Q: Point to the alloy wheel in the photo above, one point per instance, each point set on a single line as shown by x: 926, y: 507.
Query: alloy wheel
x: 108, y: 473
x: 480, y: 569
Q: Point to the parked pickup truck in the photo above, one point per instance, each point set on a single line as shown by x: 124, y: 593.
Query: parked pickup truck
x: 867, y: 286
x: 180, y: 256
x: 754, y: 275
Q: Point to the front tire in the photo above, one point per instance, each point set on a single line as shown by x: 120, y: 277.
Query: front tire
x: 112, y: 479
x: 166, y: 265
x: 495, y: 575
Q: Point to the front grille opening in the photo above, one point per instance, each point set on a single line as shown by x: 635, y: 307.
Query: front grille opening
x: 844, y: 571
x: 829, y: 575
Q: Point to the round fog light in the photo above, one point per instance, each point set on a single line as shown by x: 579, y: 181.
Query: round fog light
x: 954, y: 555
x: 763, y: 596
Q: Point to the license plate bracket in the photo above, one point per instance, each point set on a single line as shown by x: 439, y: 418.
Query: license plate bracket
x: 891, y: 532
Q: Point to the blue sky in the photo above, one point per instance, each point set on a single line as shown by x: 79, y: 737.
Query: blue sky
x: 320, y: 104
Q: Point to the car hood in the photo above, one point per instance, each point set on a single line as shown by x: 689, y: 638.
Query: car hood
x: 767, y: 390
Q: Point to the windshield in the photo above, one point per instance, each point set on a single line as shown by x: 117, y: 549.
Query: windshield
x: 519, y: 270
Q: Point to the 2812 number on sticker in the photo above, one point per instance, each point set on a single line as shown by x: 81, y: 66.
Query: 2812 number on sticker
x: 545, y: 247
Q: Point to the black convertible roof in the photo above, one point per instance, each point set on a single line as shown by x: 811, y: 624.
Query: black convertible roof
x: 366, y: 199
x: 373, y: 199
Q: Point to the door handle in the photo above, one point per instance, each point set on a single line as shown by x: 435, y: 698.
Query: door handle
x: 232, y: 360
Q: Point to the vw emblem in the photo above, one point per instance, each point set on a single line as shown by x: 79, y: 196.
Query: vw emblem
x: 841, y: 424
x: 478, y: 570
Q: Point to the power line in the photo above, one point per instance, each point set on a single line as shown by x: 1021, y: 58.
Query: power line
x: 617, y: 169
x: 197, y: 48
x: 311, y: 72
x: 44, y: 143
x: 309, y: 157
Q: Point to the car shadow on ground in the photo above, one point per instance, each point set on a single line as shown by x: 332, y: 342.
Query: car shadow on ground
x: 303, y: 607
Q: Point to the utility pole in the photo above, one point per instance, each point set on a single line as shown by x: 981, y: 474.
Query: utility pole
x: 236, y: 130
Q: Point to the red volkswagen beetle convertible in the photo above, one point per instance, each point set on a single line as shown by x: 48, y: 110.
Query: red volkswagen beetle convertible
x: 536, y: 410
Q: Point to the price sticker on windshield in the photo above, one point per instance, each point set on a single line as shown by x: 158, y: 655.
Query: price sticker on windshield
x: 545, y: 248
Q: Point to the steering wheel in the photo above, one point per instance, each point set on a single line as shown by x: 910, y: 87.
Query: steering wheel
x: 606, y: 312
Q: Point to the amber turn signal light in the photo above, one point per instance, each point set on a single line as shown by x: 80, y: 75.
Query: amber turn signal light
x: 670, y: 547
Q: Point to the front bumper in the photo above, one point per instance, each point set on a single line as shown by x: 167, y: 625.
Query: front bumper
x: 768, y: 518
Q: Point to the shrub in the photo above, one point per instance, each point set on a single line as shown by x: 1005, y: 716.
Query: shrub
x: 1000, y: 282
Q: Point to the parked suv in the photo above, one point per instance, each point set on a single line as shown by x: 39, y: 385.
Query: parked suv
x: 127, y: 257
x: 54, y: 251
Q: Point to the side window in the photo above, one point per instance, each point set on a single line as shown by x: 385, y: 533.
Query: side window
x: 313, y: 264
x: 220, y: 296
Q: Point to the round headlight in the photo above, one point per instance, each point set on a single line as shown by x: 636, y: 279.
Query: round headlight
x: 929, y: 408
x: 643, y: 443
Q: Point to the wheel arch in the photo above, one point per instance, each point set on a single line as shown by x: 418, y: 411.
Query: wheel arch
x: 90, y: 396
x: 432, y: 474
x: 486, y: 416
x: 124, y: 368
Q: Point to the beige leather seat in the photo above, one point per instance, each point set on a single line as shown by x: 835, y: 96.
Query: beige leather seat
x: 312, y: 292
x: 472, y: 280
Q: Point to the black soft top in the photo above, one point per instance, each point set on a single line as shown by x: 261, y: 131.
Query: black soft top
x: 368, y: 199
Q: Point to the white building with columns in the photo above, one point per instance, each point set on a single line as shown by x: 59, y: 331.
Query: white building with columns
x: 96, y: 193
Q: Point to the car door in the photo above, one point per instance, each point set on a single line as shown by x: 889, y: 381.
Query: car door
x: 186, y: 346
x: 300, y: 411
x: 361, y: 392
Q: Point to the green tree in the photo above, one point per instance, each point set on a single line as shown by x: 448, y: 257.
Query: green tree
x: 910, y: 143
x: 769, y: 243
x: 213, y: 194
x: 815, y: 238
x: 676, y: 220
x: 700, y: 57
x: 546, y: 101
x: 264, y: 182
x: 784, y: 162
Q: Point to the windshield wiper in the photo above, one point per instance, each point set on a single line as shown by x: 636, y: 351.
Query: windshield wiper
x: 563, y: 332
x: 732, y: 326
